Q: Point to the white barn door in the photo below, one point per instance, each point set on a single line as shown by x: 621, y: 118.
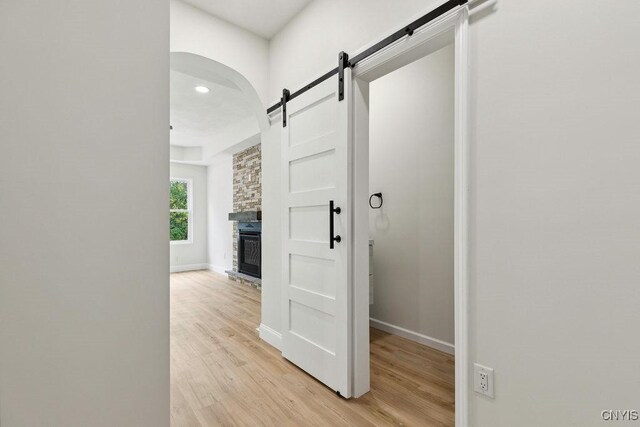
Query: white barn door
x: 316, y: 144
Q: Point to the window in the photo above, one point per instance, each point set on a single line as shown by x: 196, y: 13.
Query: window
x: 180, y: 211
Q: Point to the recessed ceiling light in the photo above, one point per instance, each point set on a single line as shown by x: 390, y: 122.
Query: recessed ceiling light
x: 202, y: 89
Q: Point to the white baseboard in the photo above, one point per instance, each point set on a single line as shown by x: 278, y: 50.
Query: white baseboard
x: 413, y: 336
x: 188, y: 267
x: 271, y: 336
x: 218, y: 268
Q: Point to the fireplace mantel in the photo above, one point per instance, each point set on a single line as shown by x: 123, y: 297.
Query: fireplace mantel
x: 246, y: 216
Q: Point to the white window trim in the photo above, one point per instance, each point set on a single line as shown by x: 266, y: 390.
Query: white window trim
x: 189, y: 211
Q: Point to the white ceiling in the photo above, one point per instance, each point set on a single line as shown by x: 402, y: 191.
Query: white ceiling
x: 261, y: 17
x: 199, y: 119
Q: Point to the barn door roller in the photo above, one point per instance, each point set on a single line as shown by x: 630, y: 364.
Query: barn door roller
x: 343, y: 62
x: 283, y: 101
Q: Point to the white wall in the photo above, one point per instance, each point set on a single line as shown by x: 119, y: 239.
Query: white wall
x: 555, y: 210
x: 271, y: 229
x: 84, y: 289
x: 195, y: 31
x: 555, y: 194
x: 194, y: 255
x: 411, y: 163
x: 220, y: 202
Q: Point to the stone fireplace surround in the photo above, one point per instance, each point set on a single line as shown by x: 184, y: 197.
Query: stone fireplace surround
x: 247, y: 197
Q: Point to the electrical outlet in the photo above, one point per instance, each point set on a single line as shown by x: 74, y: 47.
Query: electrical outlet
x: 483, y: 380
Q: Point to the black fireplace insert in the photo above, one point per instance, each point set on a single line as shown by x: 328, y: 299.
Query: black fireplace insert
x: 249, y: 248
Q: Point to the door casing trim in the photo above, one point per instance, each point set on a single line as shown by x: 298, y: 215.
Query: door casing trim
x: 452, y: 27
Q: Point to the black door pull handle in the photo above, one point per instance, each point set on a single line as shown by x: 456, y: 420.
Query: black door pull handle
x: 332, y: 238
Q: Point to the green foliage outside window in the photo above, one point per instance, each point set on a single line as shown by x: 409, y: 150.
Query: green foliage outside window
x: 179, y: 214
x: 178, y: 198
x: 179, y: 225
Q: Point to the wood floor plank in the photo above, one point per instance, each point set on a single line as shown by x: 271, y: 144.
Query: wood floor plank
x: 223, y: 374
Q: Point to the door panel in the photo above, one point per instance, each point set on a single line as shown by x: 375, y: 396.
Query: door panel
x: 313, y: 274
x: 315, y: 170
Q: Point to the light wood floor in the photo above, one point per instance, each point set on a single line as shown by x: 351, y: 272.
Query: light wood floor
x: 223, y: 374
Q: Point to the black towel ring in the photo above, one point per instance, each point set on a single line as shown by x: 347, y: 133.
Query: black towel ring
x: 378, y: 195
